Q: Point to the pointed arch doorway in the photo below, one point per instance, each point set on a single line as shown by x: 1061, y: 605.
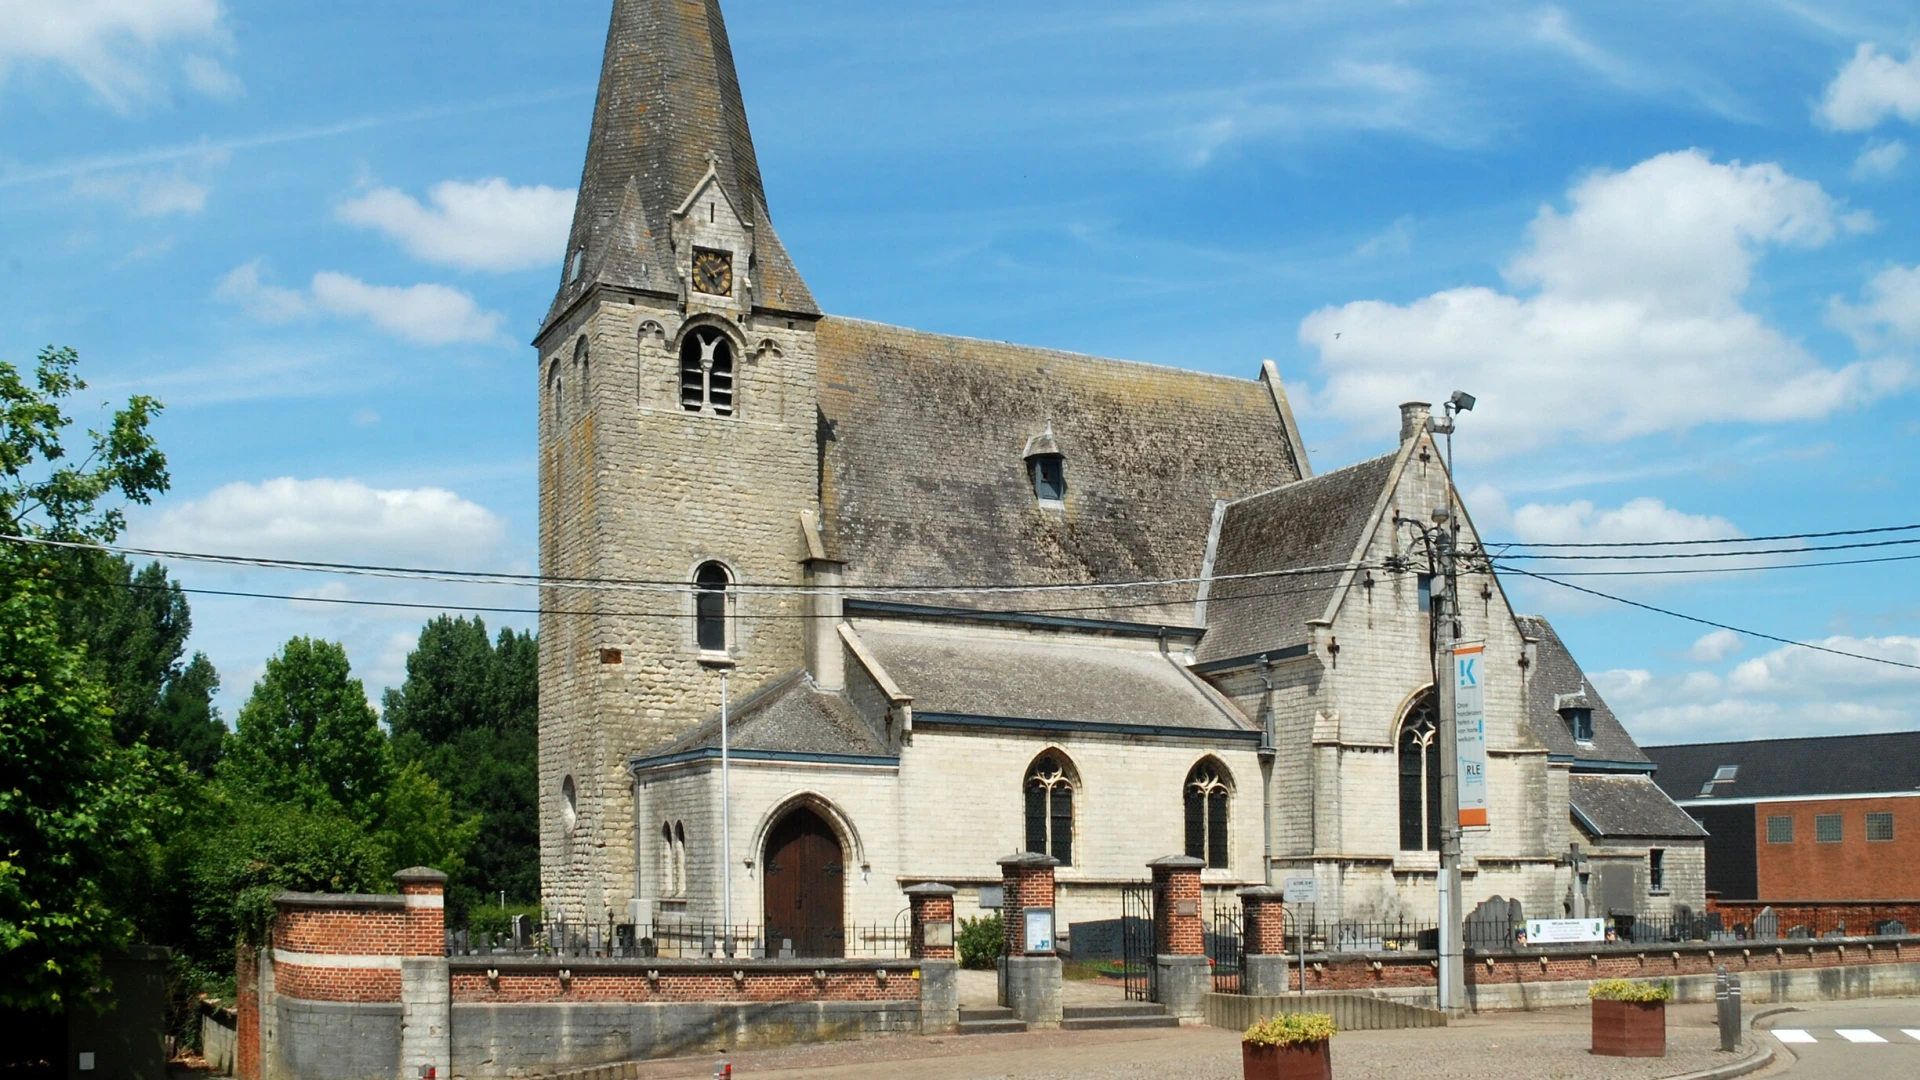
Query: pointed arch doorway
x: 805, y: 887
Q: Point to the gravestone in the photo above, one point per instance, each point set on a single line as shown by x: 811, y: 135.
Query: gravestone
x: 1891, y: 928
x: 1492, y: 925
x: 1798, y: 933
x: 1766, y: 925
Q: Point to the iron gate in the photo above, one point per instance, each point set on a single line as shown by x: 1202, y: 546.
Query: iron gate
x: 1137, y: 945
x: 1224, y: 946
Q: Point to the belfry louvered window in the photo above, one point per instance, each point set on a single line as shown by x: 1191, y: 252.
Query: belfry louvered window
x: 706, y: 373
x: 1049, y: 805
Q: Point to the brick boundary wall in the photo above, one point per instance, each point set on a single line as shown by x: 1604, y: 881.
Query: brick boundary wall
x: 246, y: 1008
x: 1378, y: 970
x: 1264, y: 923
x: 931, y: 903
x: 1820, y: 916
x: 480, y: 980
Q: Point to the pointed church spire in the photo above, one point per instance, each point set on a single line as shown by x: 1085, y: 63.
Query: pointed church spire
x: 669, y: 112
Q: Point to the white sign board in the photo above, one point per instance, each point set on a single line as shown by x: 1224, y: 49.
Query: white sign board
x: 1470, y: 731
x: 1300, y: 890
x: 1565, y: 931
x: 1039, y: 930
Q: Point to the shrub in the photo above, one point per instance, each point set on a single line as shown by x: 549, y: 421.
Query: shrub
x: 497, y: 921
x: 981, y: 941
x: 1291, y: 1029
x: 1628, y: 990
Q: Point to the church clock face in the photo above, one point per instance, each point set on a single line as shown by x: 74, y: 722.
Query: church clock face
x: 713, y: 272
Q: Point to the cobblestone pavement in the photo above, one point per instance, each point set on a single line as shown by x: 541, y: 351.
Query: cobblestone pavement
x: 1547, y: 1045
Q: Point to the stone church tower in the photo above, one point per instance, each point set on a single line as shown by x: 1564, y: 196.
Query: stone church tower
x: 678, y: 407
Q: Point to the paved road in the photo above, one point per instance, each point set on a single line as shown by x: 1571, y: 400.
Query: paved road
x: 1845, y: 1040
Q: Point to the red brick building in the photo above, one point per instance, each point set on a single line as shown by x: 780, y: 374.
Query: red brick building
x: 1821, y: 819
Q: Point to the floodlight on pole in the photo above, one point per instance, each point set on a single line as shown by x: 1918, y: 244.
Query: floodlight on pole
x: 1461, y: 401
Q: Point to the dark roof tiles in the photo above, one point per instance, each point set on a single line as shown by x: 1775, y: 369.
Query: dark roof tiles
x: 1557, y: 682
x: 1773, y: 768
x: 1628, y: 807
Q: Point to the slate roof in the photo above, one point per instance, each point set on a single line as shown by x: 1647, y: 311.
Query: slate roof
x: 1628, y: 807
x: 923, y: 479
x: 669, y: 97
x: 1556, y: 674
x: 948, y: 669
x: 786, y: 716
x: 1316, y: 522
x: 1771, y: 768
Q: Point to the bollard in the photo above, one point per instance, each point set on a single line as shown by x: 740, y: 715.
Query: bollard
x: 1723, y: 1001
x: 1733, y: 992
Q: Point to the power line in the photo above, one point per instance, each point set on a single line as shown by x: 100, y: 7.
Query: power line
x: 591, y: 584
x: 1690, y: 570
x: 1715, y: 554
x: 1724, y: 540
x: 1716, y: 625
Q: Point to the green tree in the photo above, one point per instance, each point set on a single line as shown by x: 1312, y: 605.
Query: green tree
x: 468, y: 714
x: 187, y: 722
x: 308, y: 736
x: 72, y: 801
x: 252, y: 850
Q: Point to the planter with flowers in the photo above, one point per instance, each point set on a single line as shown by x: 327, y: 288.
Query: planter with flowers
x: 1630, y: 1018
x: 1290, y: 1046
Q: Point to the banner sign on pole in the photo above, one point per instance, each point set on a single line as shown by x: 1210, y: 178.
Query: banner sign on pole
x: 1565, y: 931
x: 1470, y: 732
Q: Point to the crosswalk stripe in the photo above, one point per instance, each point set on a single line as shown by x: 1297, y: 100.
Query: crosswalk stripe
x: 1792, y: 1035
x: 1911, y: 1033
x: 1858, y: 1035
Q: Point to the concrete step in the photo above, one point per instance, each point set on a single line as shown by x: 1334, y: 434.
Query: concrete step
x: 1143, y: 1014
x: 985, y: 1012
x: 992, y: 1027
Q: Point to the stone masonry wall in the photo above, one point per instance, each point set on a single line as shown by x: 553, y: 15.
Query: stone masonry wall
x: 634, y: 488
x: 795, y: 980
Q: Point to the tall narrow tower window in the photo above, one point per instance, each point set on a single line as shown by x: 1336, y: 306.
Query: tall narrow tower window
x: 580, y: 362
x: 706, y: 373
x: 554, y: 402
x: 711, y: 594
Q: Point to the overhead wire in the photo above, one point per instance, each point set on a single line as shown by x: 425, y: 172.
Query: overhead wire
x: 1722, y: 540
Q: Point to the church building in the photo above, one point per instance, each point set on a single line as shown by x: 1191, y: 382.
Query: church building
x: 968, y: 599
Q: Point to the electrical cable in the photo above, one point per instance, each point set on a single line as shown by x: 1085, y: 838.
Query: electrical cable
x: 1726, y: 540
x: 1716, y: 625
x: 1683, y: 571
x: 1714, y: 554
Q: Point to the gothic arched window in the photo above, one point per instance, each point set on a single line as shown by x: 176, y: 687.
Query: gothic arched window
x: 679, y: 858
x: 711, y: 588
x: 1049, y: 803
x: 706, y: 372
x: 1420, y: 777
x: 1207, y: 794
x: 554, y: 383
x: 667, y: 887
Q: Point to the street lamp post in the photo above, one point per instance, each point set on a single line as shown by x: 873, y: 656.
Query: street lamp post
x: 725, y: 667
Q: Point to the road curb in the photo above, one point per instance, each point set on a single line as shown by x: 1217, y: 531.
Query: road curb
x: 1761, y: 1057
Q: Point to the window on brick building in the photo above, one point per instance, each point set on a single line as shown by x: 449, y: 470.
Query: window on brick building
x: 712, y: 597
x: 706, y: 372
x: 1656, y: 870
x: 1419, y: 778
x: 1879, y: 827
x: 1826, y: 828
x: 1207, y: 796
x: 1049, y: 805
x: 1780, y: 830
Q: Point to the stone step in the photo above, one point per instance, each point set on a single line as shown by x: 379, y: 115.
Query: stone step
x: 1096, y: 1023
x: 985, y: 1012
x: 1101, y: 1012
x: 992, y: 1027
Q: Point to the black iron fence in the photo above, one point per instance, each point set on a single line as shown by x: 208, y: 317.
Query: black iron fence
x: 1225, y: 945
x: 683, y: 940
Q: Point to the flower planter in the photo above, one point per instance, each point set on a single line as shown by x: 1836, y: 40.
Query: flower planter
x: 1300, y: 1061
x: 1629, y: 1028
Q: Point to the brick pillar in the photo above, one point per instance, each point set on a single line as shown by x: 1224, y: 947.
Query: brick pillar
x: 426, y: 990
x: 246, y: 1008
x: 1033, y: 981
x: 1183, y: 976
x: 932, y: 934
x: 932, y: 914
x: 1263, y: 968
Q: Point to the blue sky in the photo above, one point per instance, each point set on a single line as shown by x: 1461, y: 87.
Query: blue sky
x: 1672, y: 248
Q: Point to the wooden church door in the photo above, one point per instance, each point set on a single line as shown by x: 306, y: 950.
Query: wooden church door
x: 805, y: 879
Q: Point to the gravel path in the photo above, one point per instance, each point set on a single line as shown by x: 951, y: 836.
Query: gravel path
x: 1546, y: 1045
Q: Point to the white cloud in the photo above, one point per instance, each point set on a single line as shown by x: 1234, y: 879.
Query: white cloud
x: 1880, y: 159
x: 112, y: 45
x: 424, y: 314
x: 1635, y: 325
x: 1639, y: 520
x: 1891, y: 311
x: 329, y: 520
x: 1871, y: 88
x: 1786, y: 692
x: 211, y: 78
x: 1716, y: 646
x: 147, y: 194
x: 490, y: 225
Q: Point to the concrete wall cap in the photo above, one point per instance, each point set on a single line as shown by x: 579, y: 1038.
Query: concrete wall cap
x: 420, y: 875
x: 338, y: 900
x: 930, y: 888
x: 1030, y: 858
x: 1263, y: 892
x: 1177, y: 862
